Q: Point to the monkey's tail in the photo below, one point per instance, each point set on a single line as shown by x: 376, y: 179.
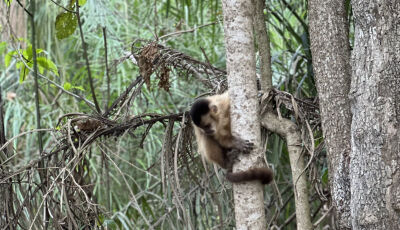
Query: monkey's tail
x: 264, y: 175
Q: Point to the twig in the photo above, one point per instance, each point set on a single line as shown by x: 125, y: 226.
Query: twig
x: 23, y: 7
x: 66, y: 9
x: 288, y: 220
x: 2, y: 133
x: 96, y: 104
x: 41, y: 164
x: 107, y: 70
x: 186, y: 31
x: 155, y: 20
x: 322, y: 217
x: 19, y: 135
x: 122, y: 96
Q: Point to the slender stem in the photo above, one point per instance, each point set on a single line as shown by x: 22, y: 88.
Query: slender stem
x: 96, y: 104
x: 35, y: 74
x: 107, y: 70
x: 41, y: 164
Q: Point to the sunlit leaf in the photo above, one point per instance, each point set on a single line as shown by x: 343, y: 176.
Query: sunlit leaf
x: 8, y: 57
x: 28, y: 52
x: 3, y: 47
x: 23, y: 73
x: 67, y: 86
x: 78, y: 88
x: 82, y: 2
x: 41, y: 69
x: 47, y: 64
x: 8, y: 2
x: 66, y: 24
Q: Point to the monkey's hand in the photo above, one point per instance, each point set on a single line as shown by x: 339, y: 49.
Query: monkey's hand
x: 244, y: 146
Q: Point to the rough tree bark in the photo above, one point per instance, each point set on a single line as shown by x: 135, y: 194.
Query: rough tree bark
x: 330, y: 48
x: 375, y: 104
x: 241, y: 67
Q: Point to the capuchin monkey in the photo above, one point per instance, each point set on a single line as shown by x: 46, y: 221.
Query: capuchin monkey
x: 212, y: 127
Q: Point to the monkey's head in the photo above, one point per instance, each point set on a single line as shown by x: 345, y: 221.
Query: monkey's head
x: 204, y: 115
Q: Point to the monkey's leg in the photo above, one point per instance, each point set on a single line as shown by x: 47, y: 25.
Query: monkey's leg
x: 231, y: 157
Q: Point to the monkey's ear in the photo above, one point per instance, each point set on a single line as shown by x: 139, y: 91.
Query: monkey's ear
x: 214, y: 108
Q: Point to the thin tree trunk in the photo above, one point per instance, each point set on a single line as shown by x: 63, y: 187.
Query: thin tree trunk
x: 284, y: 127
x: 331, y: 63
x: 375, y: 128
x: 288, y: 130
x: 264, y: 51
x: 241, y: 66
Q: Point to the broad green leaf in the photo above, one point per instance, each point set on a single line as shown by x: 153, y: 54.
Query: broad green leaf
x: 7, y: 58
x: 3, y: 47
x: 28, y: 53
x: 47, y: 64
x: 66, y: 24
x: 67, y: 86
x: 41, y: 69
x: 23, y: 73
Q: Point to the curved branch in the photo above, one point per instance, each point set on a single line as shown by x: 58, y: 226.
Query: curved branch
x: 292, y: 135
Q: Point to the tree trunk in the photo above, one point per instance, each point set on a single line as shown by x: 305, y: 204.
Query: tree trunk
x: 331, y: 64
x: 264, y: 50
x: 375, y: 128
x: 284, y: 127
x: 17, y: 20
x: 241, y: 67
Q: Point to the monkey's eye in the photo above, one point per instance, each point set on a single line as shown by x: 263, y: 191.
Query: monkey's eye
x: 207, y: 126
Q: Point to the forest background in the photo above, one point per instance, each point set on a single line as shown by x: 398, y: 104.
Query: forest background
x: 99, y: 136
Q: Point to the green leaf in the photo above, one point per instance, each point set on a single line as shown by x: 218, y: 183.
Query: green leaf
x: 28, y: 53
x: 3, y: 47
x: 47, y: 64
x: 82, y: 2
x: 23, y: 73
x: 67, y: 86
x: 79, y: 88
x: 66, y: 24
x: 41, y: 69
x: 19, y: 64
x: 8, y: 2
x: 324, y: 178
x: 7, y: 58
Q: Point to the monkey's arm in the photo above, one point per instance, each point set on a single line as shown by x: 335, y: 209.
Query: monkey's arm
x: 210, y: 149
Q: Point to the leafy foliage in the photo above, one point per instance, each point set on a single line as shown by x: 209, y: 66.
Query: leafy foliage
x: 25, y: 62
